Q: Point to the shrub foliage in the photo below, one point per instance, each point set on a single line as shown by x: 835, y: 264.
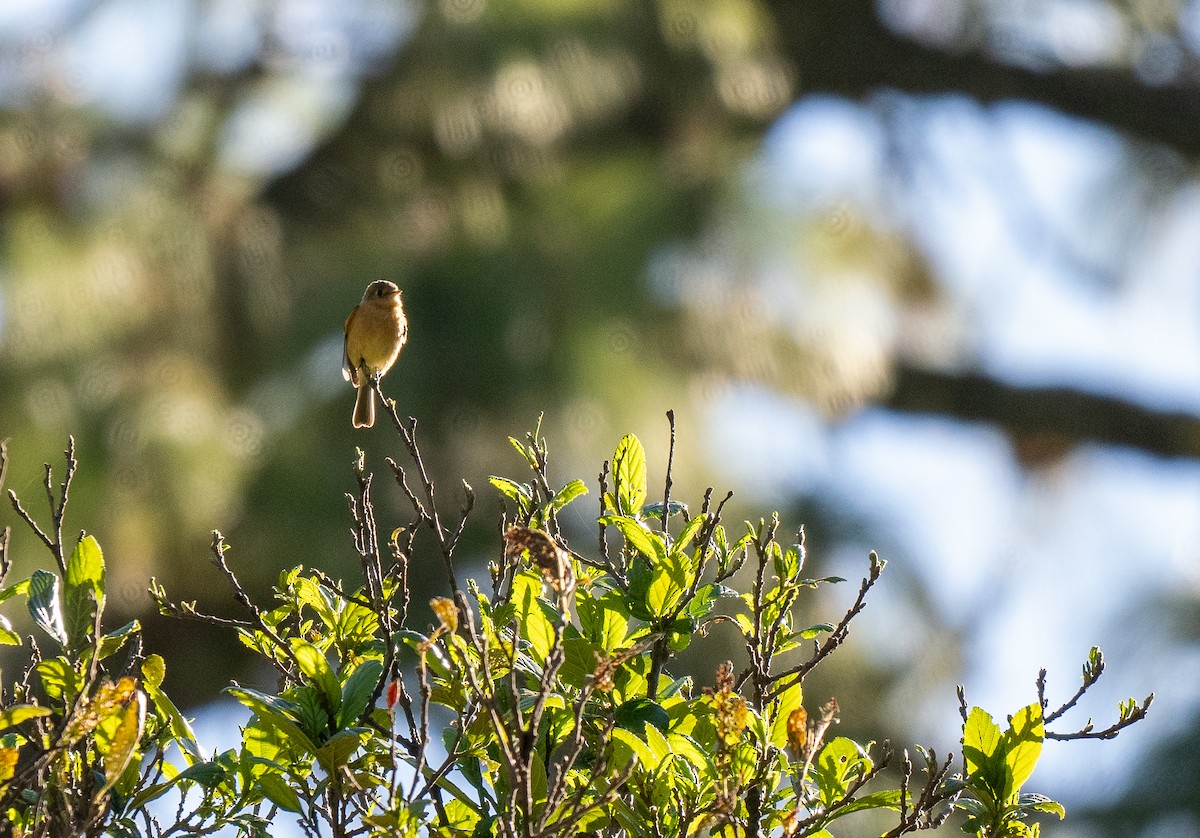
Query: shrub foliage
x: 542, y: 705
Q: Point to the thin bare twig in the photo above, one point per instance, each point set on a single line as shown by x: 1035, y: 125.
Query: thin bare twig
x: 839, y: 633
x: 666, y: 511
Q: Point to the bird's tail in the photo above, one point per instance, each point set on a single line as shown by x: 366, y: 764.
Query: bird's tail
x: 364, y: 406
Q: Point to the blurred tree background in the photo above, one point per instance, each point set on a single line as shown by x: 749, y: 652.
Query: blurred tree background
x: 921, y: 273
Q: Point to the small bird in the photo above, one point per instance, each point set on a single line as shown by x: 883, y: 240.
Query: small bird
x: 375, y: 331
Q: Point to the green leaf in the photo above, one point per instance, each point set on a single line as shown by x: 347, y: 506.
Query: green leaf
x: 636, y: 713
x: 207, y: 774
x: 840, y: 762
x: 629, y: 475
x: 604, y: 621
x: 636, y: 746
x: 309, y: 592
x: 112, y: 642
x: 702, y: 604
x: 153, y: 672
x: 310, y: 707
x: 686, y: 747
x: 983, y: 756
x: 655, y: 510
x: 83, y: 593
x: 579, y: 663
x: 525, y: 453
x: 275, y: 714
x: 668, y: 580
x: 44, y: 605
x: 680, y: 632
x: 464, y: 819
x: 1022, y: 745
x: 658, y: 743
x: 356, y: 623
x: 8, y: 637
x: 688, y: 533
x: 649, y: 544
x: 879, y: 800
x: 17, y: 589
x: 279, y: 791
x: 357, y: 691
x: 1041, y: 803
x: 537, y: 782
x: 336, y: 752
x: 812, y: 631
x: 21, y: 712
x: 59, y: 679
x: 518, y: 493
x: 781, y: 710
x: 568, y: 493
x: 316, y: 668
x: 535, y: 622
x: 787, y: 563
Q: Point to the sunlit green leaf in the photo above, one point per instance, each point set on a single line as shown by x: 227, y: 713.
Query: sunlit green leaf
x: 17, y: 589
x: 702, y: 604
x: 524, y: 451
x: 629, y: 475
x: 59, y: 679
x: 634, y: 744
x: 983, y: 755
x: 21, y: 712
x: 309, y: 592
x: 685, y: 747
x: 112, y: 642
x: 812, y: 631
x: 781, y: 709
x: 879, y: 800
x: 604, y: 621
x: 535, y: 623
x: 315, y: 667
x: 840, y: 762
x: 657, y: 742
x: 276, y: 714
x: 8, y: 637
x: 787, y: 563
x: 649, y: 544
x: 83, y: 594
x: 153, y: 672
x: 1041, y: 803
x: 568, y: 493
x: 44, y: 605
x: 689, y: 531
x: 1021, y: 746
x: 668, y: 581
x: 518, y: 493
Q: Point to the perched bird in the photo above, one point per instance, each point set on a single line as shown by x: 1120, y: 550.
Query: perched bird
x: 375, y: 331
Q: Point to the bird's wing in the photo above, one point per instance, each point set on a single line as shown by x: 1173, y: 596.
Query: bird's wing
x: 349, y: 371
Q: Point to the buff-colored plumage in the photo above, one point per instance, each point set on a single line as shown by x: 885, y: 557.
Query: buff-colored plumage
x: 375, y: 331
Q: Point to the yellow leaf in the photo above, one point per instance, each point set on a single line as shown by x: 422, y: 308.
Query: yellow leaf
x: 119, y: 748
